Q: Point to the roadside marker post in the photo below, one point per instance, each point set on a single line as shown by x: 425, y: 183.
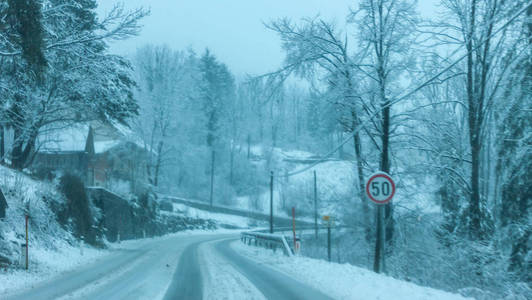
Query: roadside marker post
x: 380, y: 189
x: 81, y: 245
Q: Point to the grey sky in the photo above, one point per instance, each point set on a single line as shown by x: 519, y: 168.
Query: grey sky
x: 232, y: 29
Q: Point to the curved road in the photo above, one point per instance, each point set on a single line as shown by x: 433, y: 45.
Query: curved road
x: 174, y: 267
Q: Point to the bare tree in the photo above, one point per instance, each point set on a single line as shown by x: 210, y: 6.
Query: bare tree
x: 73, y: 54
x: 489, y: 57
x: 316, y: 48
x: 386, y: 28
x: 162, y: 75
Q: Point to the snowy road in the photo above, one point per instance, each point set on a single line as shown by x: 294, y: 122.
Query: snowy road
x: 196, y: 266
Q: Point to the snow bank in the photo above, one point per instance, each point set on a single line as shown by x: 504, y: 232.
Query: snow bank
x: 221, y: 219
x: 51, y: 248
x: 45, y: 263
x: 343, y: 281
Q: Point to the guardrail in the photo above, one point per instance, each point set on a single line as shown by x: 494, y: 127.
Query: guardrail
x: 268, y: 240
x: 274, y: 241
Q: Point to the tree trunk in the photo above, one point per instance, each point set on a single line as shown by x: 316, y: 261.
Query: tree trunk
x: 385, y: 151
x: 2, y: 145
x: 211, y: 195
x: 158, y: 163
x: 26, y: 157
x: 358, y: 152
x: 385, y: 166
x: 16, y: 150
x: 474, y: 131
x: 361, y: 189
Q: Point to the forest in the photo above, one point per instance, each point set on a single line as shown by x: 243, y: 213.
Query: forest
x: 443, y: 105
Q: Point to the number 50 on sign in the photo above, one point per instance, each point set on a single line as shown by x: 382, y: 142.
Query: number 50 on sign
x: 380, y: 188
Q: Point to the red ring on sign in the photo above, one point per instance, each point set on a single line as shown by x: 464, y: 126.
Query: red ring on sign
x: 369, y: 194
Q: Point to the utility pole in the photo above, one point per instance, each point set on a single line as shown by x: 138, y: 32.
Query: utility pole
x: 271, y: 201
x: 212, y: 177
x: 27, y: 242
x: 329, y: 241
x: 294, y: 227
x: 26, y: 219
x: 249, y: 145
x: 315, y: 206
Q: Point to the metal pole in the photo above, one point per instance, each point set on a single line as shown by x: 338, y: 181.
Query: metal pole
x: 329, y: 241
x: 271, y: 201
x: 383, y: 240
x: 27, y: 244
x: 315, y: 206
x: 212, y: 177
x: 379, y: 243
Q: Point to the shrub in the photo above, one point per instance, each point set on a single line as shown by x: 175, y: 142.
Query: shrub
x: 76, y: 213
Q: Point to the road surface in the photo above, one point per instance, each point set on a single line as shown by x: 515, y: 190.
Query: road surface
x: 196, y: 266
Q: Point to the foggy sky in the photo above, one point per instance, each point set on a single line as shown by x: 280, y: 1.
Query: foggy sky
x: 232, y: 29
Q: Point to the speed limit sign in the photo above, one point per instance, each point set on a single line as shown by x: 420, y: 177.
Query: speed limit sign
x: 380, y: 188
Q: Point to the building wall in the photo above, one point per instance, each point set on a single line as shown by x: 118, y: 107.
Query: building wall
x: 125, y: 161
x: 73, y: 162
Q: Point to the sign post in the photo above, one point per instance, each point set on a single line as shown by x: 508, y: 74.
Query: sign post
x: 380, y: 189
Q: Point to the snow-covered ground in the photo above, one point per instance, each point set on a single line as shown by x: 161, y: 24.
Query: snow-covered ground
x: 342, y: 281
x: 48, y: 263
x: 337, y: 182
x: 52, y: 249
x: 220, y: 219
x: 221, y: 280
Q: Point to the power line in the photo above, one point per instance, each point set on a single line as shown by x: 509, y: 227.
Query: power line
x: 424, y: 84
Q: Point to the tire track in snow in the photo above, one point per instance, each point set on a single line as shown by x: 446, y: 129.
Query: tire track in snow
x: 273, y: 284
x: 222, y: 280
x: 187, y: 282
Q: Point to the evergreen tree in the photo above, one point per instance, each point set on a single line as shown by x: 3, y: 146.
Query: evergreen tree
x: 82, y: 82
x: 26, y: 20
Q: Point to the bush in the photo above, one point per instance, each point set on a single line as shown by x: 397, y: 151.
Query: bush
x: 76, y: 213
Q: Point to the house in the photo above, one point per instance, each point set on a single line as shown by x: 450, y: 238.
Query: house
x: 101, y: 154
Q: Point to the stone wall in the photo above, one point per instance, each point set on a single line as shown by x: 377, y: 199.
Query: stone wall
x: 117, y: 215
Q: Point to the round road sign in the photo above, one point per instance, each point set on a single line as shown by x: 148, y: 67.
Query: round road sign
x: 380, y: 188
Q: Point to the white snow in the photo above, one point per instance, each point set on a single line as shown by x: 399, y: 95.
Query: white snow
x: 66, y: 138
x: 223, y: 219
x: 51, y: 248
x: 67, y: 258
x: 223, y: 281
x: 103, y: 146
x: 46, y: 263
x: 337, y: 182
x: 342, y: 281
